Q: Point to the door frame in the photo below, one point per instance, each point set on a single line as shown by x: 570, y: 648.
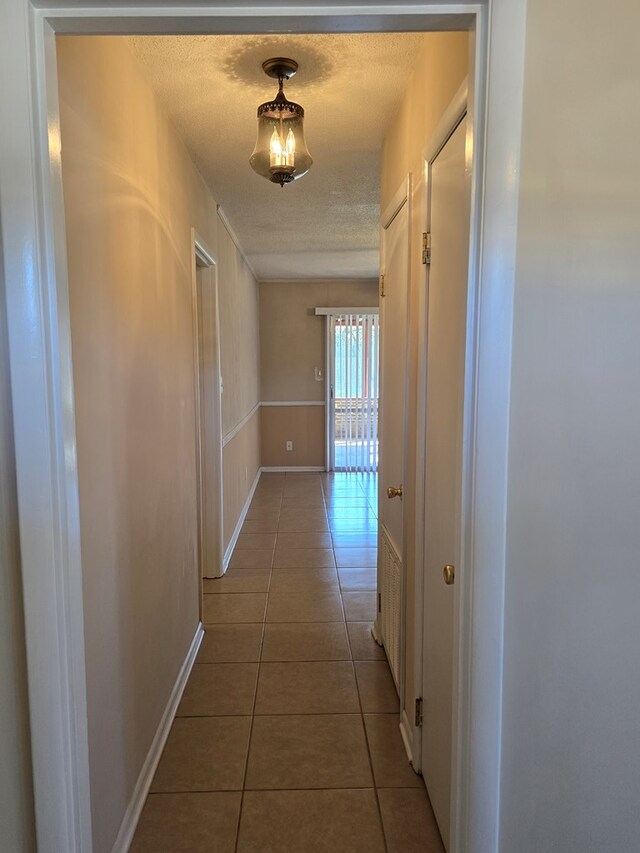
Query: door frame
x: 35, y: 278
x: 454, y: 114
x: 330, y: 374
x: 210, y: 494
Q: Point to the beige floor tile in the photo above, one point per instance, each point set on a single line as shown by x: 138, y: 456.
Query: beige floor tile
x: 310, y: 822
x: 300, y: 558
x: 304, y: 540
x: 315, y: 500
x: 339, y: 501
x: 308, y: 752
x: 252, y: 558
x: 363, y: 646
x: 231, y: 643
x: 260, y: 525
x: 409, y: 824
x: 350, y: 558
x: 233, y: 607
x: 376, y: 687
x: 309, y: 687
x: 305, y: 641
x: 188, y: 823
x: 263, y: 512
x: 219, y: 689
x: 304, y: 607
x: 358, y: 580
x: 304, y: 580
x: 317, y: 524
x: 204, y: 754
x: 255, y: 540
x: 238, y: 580
x: 391, y: 768
x: 360, y: 606
x: 354, y: 540
x: 303, y: 514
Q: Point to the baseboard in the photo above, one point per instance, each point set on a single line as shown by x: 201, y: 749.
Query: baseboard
x: 283, y: 469
x: 236, y: 532
x: 136, y: 804
x: 407, y: 735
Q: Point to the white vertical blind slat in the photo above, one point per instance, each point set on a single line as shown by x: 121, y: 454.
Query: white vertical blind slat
x: 356, y: 392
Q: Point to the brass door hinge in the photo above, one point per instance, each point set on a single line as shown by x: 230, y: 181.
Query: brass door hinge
x: 382, y: 293
x: 418, y: 717
x: 426, y: 247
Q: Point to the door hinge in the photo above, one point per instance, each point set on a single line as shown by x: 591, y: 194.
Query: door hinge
x: 382, y: 293
x: 418, y: 718
x: 379, y: 602
x: 426, y: 247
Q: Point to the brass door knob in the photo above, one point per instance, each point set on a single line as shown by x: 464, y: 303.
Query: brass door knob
x: 449, y: 574
x: 394, y: 492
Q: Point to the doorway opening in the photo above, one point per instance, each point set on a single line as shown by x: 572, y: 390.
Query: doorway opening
x: 208, y: 387
x: 353, y: 369
x: 46, y: 311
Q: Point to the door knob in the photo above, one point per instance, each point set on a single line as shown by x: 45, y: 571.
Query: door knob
x: 449, y: 574
x: 394, y: 492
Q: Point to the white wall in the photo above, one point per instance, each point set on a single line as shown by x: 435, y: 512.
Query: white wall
x: 571, y: 747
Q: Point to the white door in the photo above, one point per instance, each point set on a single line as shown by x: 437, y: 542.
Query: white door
x: 446, y: 337
x: 209, y: 421
x: 393, y: 380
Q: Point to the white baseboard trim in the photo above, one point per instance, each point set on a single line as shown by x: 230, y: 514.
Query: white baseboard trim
x: 283, y: 469
x: 236, y: 532
x: 407, y: 735
x: 136, y: 804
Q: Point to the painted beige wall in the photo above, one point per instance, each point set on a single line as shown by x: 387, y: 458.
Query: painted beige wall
x: 17, y: 831
x: 303, y: 425
x: 571, y: 774
x: 440, y: 70
x: 241, y: 461
x: 292, y: 338
x: 131, y: 198
x: 239, y: 334
x: 292, y: 345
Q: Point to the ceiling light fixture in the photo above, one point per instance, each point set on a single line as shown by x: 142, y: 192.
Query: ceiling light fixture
x: 281, y: 154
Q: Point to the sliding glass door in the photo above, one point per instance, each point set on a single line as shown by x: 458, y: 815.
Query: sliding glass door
x: 353, y: 419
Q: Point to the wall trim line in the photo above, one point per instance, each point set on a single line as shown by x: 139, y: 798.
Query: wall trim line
x: 236, y: 429
x: 136, y: 803
x: 236, y: 531
x: 292, y: 403
x: 283, y: 469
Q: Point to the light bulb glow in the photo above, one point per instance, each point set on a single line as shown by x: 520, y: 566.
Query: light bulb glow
x: 281, y: 153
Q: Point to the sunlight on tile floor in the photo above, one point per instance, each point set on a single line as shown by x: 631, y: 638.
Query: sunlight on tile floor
x: 286, y: 738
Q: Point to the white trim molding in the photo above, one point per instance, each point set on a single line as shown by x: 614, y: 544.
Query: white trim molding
x: 327, y: 312
x: 291, y: 469
x: 136, y: 804
x: 239, y: 426
x: 42, y: 394
x: 292, y: 403
x: 228, y: 551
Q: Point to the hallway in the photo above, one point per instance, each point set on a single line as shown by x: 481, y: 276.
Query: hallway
x: 287, y: 738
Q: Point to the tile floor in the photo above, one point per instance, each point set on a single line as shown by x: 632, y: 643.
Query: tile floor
x: 286, y: 738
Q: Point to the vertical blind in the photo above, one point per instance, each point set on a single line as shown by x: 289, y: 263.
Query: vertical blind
x: 357, y: 347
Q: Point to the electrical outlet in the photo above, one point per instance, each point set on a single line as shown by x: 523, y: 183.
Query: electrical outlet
x: 289, y: 445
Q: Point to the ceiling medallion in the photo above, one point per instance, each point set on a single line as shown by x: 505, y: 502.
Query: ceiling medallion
x: 281, y: 154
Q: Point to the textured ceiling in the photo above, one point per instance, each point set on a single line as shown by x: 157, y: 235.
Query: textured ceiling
x: 326, y: 224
